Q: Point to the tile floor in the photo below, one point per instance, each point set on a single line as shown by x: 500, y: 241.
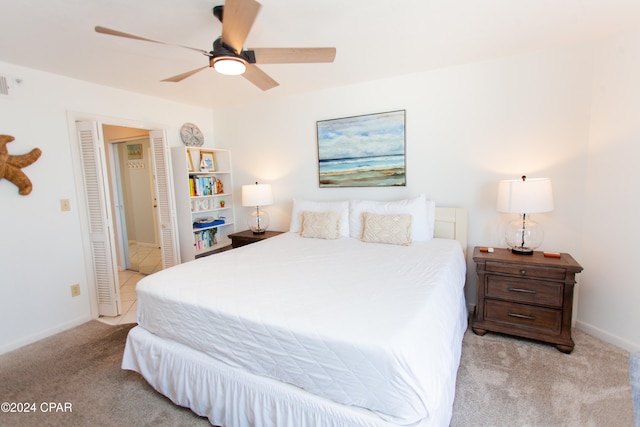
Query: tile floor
x: 144, y: 259
x: 147, y: 261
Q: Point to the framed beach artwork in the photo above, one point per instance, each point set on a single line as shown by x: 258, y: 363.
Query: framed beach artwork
x: 362, y: 151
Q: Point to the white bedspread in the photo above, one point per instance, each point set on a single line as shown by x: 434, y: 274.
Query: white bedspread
x: 367, y: 325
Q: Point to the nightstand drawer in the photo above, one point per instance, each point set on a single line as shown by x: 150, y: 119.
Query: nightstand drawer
x: 523, y: 315
x: 526, y: 270
x: 524, y: 290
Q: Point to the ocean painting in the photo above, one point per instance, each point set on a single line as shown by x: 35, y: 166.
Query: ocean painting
x: 362, y: 151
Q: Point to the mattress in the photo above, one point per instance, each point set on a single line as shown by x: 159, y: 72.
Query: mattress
x: 365, y: 325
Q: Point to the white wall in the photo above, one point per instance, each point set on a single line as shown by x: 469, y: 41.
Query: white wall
x: 610, y: 298
x: 569, y: 114
x: 41, y: 253
x: 467, y: 127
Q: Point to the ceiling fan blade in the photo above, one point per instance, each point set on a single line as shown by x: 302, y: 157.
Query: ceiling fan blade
x: 259, y: 78
x: 183, y: 76
x: 111, y: 32
x: 294, y: 55
x: 237, y: 19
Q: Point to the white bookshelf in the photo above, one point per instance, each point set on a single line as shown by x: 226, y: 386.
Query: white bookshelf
x: 194, y: 202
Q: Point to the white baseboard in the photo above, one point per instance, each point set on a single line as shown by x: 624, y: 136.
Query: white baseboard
x: 44, y: 334
x: 608, y: 337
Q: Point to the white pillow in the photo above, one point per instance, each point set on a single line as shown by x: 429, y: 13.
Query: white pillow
x: 320, y: 225
x: 299, y: 206
x: 422, y: 210
x: 394, y: 229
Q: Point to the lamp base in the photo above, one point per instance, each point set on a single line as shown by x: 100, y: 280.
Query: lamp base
x: 258, y: 221
x: 521, y: 250
x: 523, y: 235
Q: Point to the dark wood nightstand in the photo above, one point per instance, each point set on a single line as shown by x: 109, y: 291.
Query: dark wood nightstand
x: 247, y: 237
x: 529, y: 296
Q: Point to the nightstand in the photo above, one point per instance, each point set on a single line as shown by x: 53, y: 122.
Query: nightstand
x: 529, y: 296
x: 247, y: 237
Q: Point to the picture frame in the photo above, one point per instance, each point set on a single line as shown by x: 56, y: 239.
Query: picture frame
x: 134, y: 151
x: 362, y: 151
x: 207, y: 161
x: 190, y: 167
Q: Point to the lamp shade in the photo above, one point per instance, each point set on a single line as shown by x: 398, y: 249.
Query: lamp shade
x: 257, y: 195
x: 525, y: 195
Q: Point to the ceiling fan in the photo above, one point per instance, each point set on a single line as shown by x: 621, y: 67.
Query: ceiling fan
x: 228, y: 55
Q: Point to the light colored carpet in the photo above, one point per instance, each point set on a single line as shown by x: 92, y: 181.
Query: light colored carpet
x: 82, y: 366
x: 507, y: 381
x: 502, y: 381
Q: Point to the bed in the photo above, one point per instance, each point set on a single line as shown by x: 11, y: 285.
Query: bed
x: 353, y: 318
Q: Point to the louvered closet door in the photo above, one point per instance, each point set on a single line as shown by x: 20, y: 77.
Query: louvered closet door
x: 164, y: 195
x: 101, y: 236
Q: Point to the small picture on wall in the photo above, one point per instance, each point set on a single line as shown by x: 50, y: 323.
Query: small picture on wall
x: 362, y: 151
x: 134, y: 151
x: 207, y: 161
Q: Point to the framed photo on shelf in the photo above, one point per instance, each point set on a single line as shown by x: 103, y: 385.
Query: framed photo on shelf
x: 190, y: 162
x: 207, y: 161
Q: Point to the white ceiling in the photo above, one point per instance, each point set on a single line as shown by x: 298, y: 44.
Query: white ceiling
x: 374, y: 39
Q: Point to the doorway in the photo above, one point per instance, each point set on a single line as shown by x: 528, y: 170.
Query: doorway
x: 133, y: 199
x: 94, y: 171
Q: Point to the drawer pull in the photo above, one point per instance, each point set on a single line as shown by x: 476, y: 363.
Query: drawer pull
x: 523, y: 272
x: 521, y: 316
x: 524, y: 291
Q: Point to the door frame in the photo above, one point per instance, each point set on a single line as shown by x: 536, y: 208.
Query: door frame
x: 72, y: 118
x: 118, y: 207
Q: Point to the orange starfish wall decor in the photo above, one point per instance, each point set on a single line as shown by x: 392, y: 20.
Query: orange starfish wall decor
x: 10, y: 165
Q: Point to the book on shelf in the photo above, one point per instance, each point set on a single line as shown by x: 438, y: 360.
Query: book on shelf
x: 202, y: 185
x: 205, y: 239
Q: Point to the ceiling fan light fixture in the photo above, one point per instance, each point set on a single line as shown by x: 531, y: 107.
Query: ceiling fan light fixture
x: 229, y: 65
x: 228, y: 55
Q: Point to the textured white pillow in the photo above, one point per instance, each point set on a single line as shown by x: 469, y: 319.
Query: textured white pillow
x: 320, y: 225
x: 422, y: 210
x: 394, y: 229
x: 300, y: 206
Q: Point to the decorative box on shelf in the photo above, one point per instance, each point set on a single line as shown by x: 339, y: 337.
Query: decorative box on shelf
x: 207, y: 222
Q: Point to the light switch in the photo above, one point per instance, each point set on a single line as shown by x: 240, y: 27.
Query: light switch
x: 65, y: 205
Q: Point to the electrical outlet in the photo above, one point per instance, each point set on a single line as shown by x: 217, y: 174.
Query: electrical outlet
x: 65, y: 205
x: 75, y: 290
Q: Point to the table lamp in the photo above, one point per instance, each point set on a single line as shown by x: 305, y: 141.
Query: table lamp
x: 524, y: 196
x: 257, y: 195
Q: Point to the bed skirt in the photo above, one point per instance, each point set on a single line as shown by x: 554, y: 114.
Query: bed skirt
x: 232, y: 398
